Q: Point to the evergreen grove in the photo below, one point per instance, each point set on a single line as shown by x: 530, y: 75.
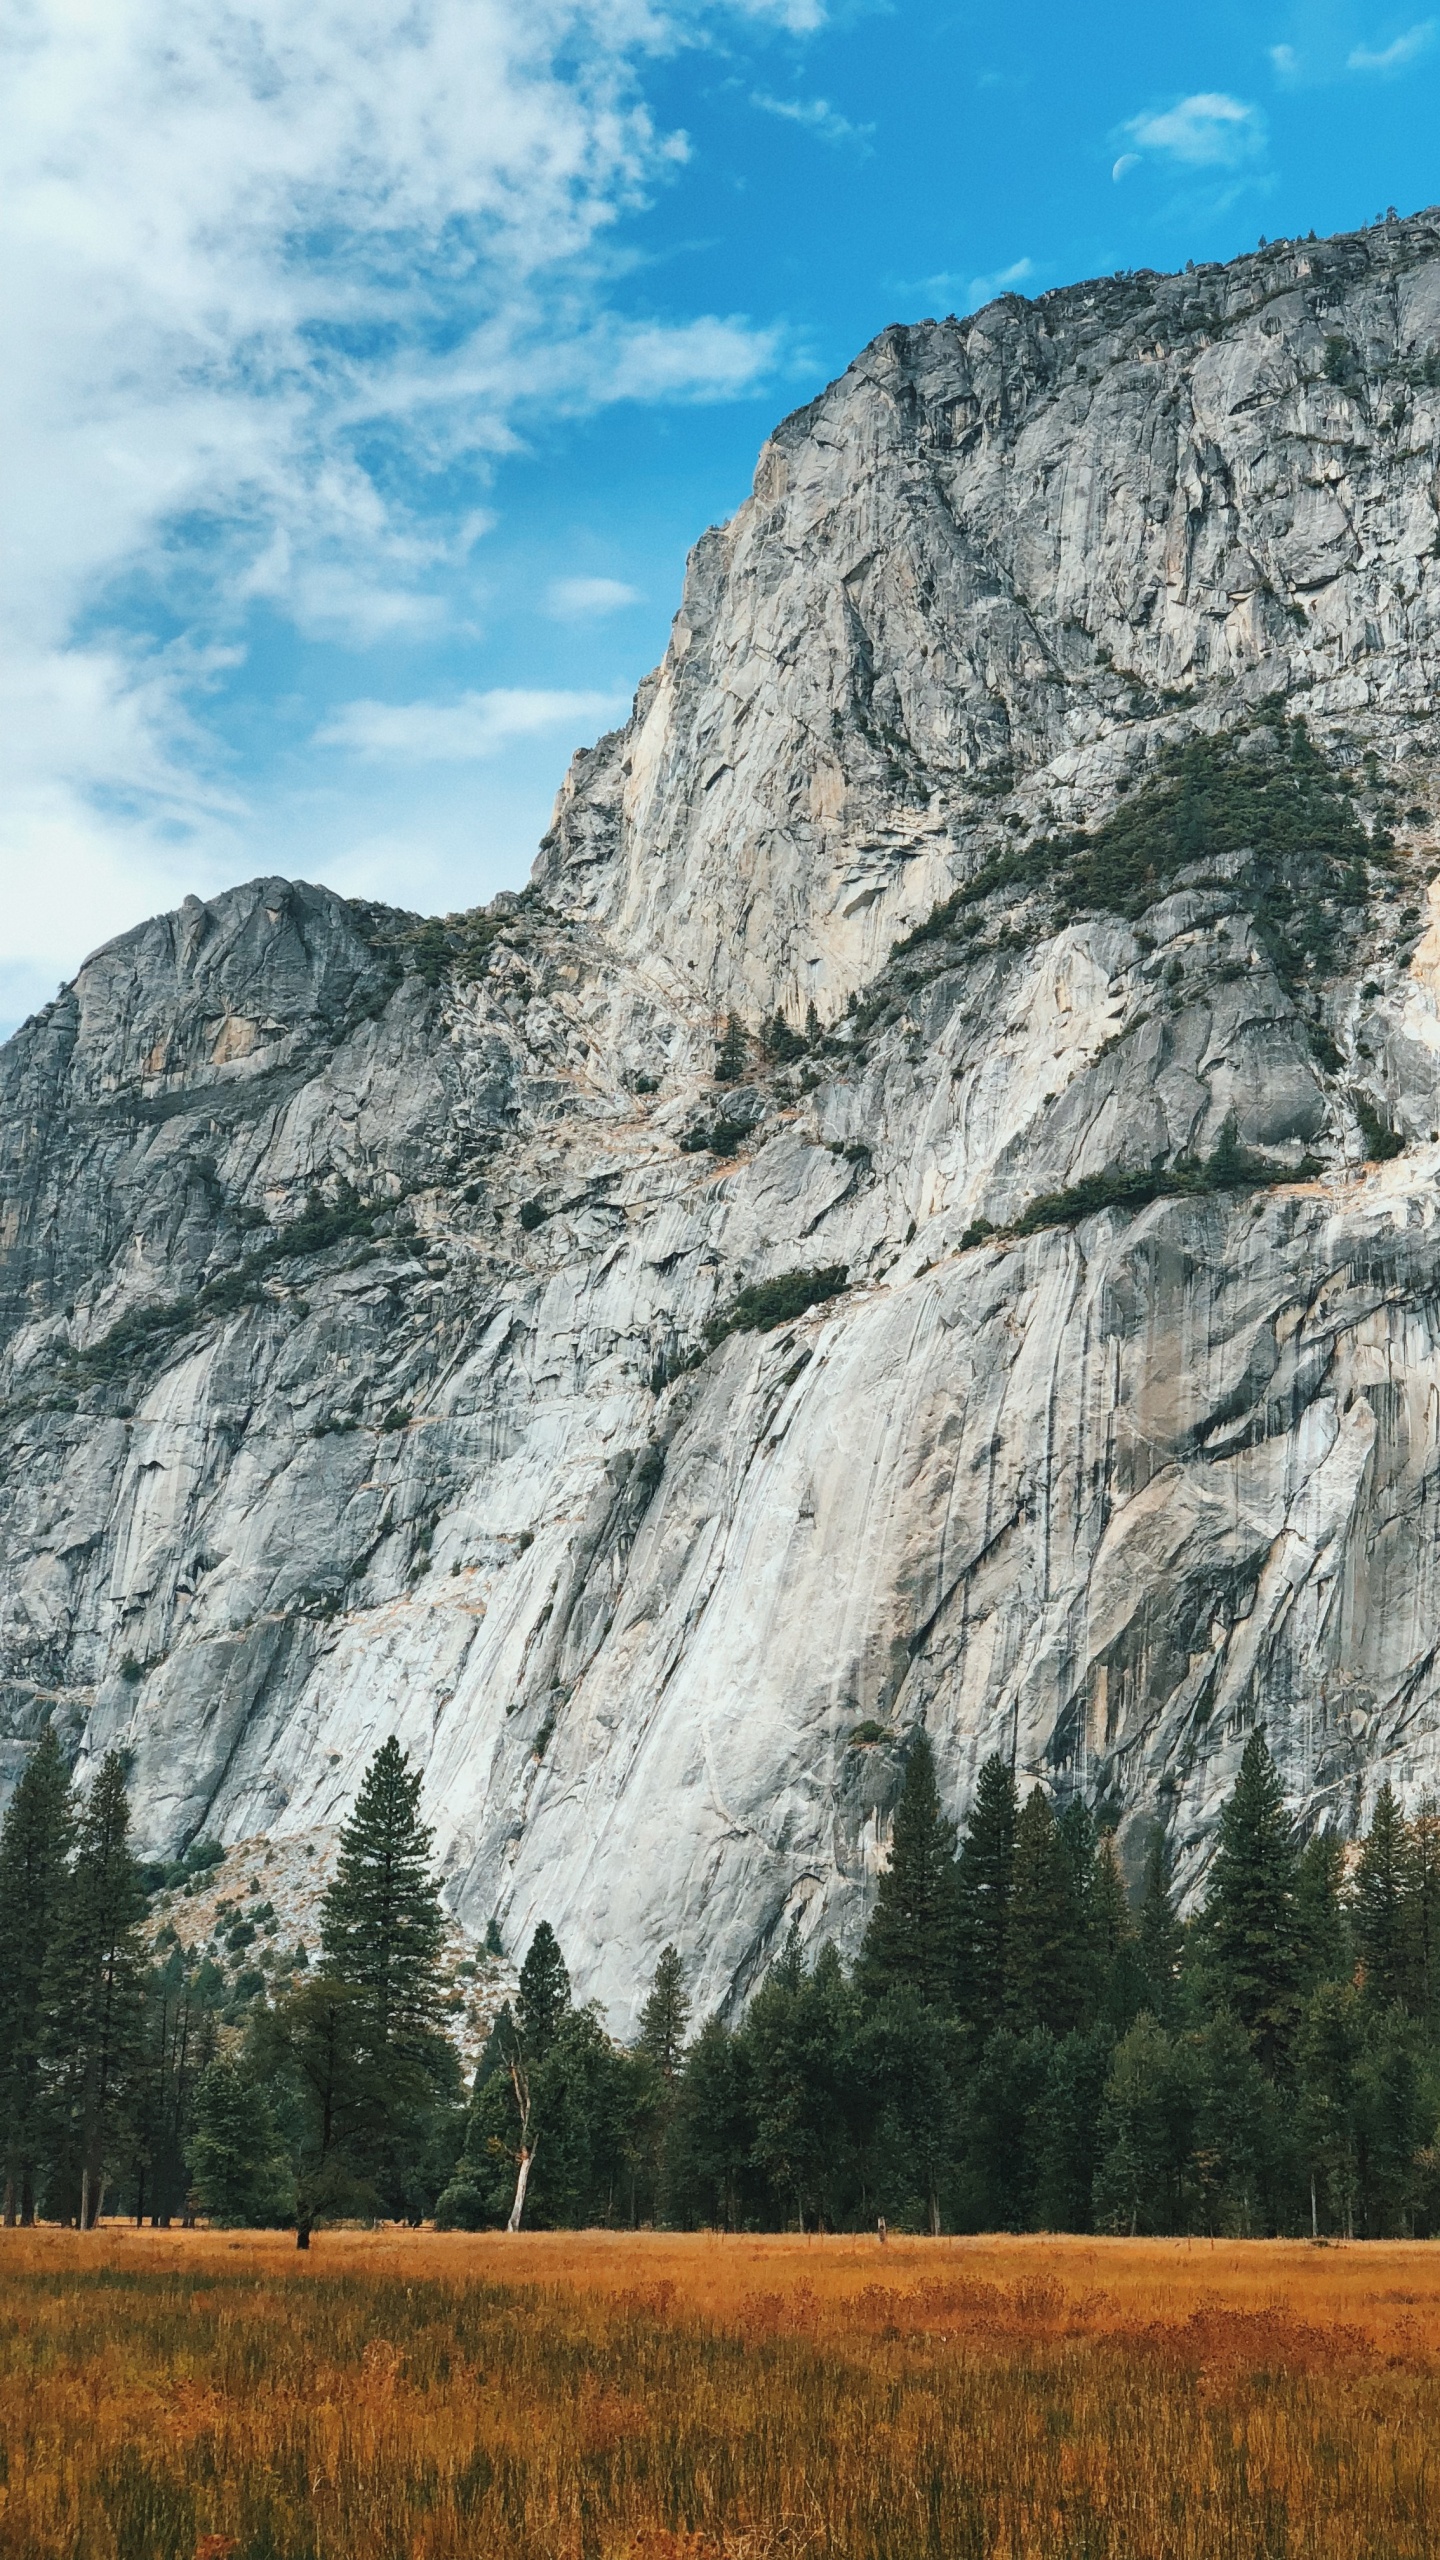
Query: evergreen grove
x: 1017, y: 2046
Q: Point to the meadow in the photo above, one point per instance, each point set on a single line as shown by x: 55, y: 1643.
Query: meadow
x: 602, y: 2396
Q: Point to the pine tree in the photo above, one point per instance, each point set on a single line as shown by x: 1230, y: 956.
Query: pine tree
x: 382, y: 1927
x: 1250, y: 1926
x: 986, y: 1862
x: 95, y: 1988
x: 1425, y: 1846
x: 544, y: 1994
x: 800, y: 2038
x: 1160, y: 1938
x: 1383, y: 1904
x: 34, y: 1843
x: 1327, y: 2056
x: 906, y: 2069
x: 1120, y: 1991
x: 1045, y: 1943
x: 911, y: 1938
x: 1237, y: 2134
x: 731, y: 1057
x: 521, y: 2103
x: 665, y: 2017
x: 234, y: 2153
x: 713, y: 2131
x: 180, y: 2039
x: 1320, y: 1918
x: 1146, y: 2138
x: 317, y: 2046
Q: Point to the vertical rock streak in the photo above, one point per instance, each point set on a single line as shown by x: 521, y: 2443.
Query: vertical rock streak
x: 364, y: 1281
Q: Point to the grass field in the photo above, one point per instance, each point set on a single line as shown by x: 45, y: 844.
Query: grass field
x: 168, y: 2396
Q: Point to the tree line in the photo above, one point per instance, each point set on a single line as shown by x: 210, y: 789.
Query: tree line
x: 1018, y: 2045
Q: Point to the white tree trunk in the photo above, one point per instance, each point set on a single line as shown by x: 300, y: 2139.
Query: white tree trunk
x: 521, y: 2183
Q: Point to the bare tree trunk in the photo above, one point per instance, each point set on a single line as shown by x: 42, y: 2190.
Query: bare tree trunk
x: 521, y: 2183
x: 85, y: 2197
x: 9, y: 2204
x: 1314, y: 2216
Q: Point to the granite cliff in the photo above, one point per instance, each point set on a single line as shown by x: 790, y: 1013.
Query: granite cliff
x: 1041, y: 772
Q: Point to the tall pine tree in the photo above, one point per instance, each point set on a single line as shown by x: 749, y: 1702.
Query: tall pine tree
x: 382, y: 1927
x: 666, y: 2017
x: 987, y: 1857
x: 34, y: 1843
x: 1160, y: 1939
x: 544, y: 1996
x: 910, y: 1942
x: 1383, y: 1905
x: 1046, y: 1947
x: 1250, y: 1919
x: 95, y: 1991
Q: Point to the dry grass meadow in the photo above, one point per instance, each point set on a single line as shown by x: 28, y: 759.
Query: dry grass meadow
x: 188, y: 2396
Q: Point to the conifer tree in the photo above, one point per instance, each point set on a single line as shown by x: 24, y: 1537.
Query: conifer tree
x: 1045, y: 1942
x: 911, y: 1938
x: 179, y: 2045
x: 1320, y: 1917
x: 318, y: 2045
x: 1383, y: 1904
x: 544, y: 1996
x: 34, y: 1842
x: 983, y: 1883
x: 234, y: 2153
x: 666, y: 2017
x: 382, y: 1927
x: 1120, y: 1990
x: 1250, y: 1909
x: 712, y: 2134
x: 1328, y: 2051
x: 95, y: 1988
x: 1160, y: 1938
x: 730, y: 1056
x: 800, y: 2038
x: 1425, y: 1886
x: 1146, y: 2133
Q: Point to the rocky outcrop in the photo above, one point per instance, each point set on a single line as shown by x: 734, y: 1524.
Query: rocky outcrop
x: 367, y: 1282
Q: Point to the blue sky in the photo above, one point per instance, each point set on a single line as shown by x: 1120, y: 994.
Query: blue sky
x: 370, y: 368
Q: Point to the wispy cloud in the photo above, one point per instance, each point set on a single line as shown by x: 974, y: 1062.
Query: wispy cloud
x: 466, y: 731
x: 588, y: 599
x: 1004, y: 280
x: 276, y: 280
x: 818, y: 117
x: 1207, y: 131
x: 1395, y: 55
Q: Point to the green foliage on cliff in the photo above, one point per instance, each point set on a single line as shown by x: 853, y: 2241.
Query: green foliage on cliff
x: 773, y: 1302
x: 1266, y: 792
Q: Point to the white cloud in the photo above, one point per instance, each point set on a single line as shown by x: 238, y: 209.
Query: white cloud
x: 588, y: 599
x: 466, y: 731
x: 266, y: 273
x: 1394, y: 56
x: 817, y: 115
x: 1005, y: 280
x: 1285, y: 62
x: 1207, y: 131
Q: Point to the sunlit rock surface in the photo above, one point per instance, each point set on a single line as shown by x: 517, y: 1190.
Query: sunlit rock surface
x: 450, y: 1456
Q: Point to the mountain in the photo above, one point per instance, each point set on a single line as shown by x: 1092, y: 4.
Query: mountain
x: 1033, y: 1333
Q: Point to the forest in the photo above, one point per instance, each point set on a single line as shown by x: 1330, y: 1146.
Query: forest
x: 1020, y: 2045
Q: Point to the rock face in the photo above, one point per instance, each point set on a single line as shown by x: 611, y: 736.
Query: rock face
x: 355, y: 1271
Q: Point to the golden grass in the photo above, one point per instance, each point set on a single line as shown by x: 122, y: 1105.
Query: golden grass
x: 605, y: 2397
